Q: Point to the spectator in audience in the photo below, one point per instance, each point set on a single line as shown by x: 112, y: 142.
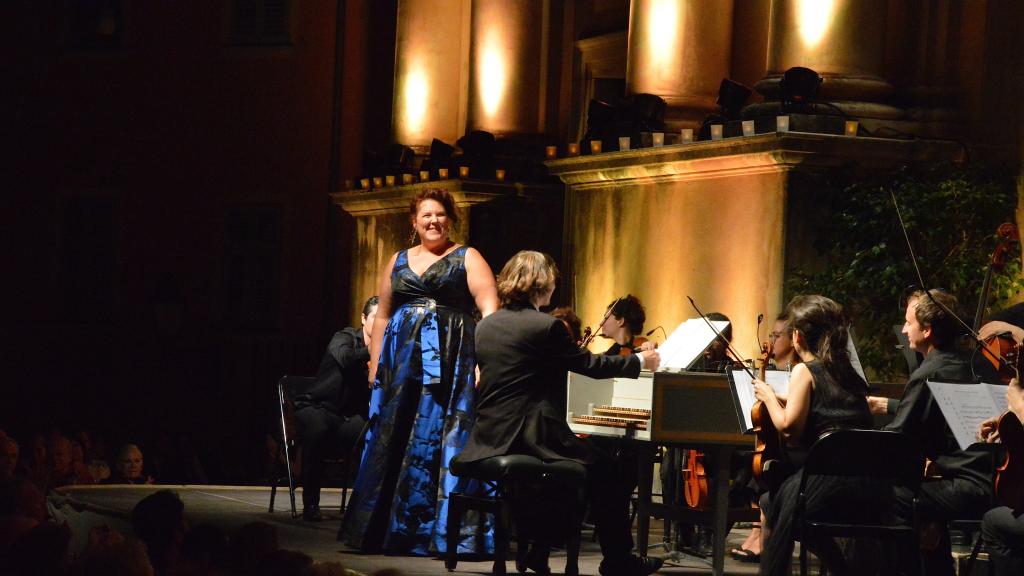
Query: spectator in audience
x: 121, y: 558
x: 285, y: 563
x: 34, y: 464
x: 83, y: 475
x: 8, y: 457
x: 204, y: 551
x: 41, y: 551
x: 94, y: 455
x: 159, y: 521
x: 128, y: 469
x: 61, y: 472
x: 249, y: 544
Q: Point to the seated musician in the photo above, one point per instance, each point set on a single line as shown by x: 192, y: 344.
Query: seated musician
x: 784, y: 357
x: 571, y: 322
x: 825, y: 394
x: 716, y: 356
x: 965, y: 487
x: 1003, y: 527
x: 624, y: 324
x: 524, y: 356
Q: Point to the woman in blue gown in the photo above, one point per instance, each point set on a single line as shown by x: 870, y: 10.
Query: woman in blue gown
x: 422, y: 370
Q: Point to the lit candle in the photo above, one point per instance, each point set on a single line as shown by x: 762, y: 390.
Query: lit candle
x: 389, y: 180
x: 573, y: 149
x: 595, y: 146
x: 782, y: 123
x: 748, y: 127
x: 463, y: 171
x: 378, y: 181
x: 716, y: 131
x: 686, y: 135
x: 551, y: 152
x: 424, y: 175
x: 364, y: 183
x: 348, y: 185
x: 442, y: 173
x: 624, y: 143
x: 499, y: 175
x: 851, y: 128
x: 407, y: 178
x: 658, y: 139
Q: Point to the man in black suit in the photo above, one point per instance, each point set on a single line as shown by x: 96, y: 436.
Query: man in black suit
x: 965, y: 487
x: 332, y: 411
x: 524, y: 356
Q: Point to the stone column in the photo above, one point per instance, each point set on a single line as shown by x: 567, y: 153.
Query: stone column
x: 931, y: 80
x: 679, y: 50
x: 431, y: 71
x: 841, y: 40
x: 508, y: 66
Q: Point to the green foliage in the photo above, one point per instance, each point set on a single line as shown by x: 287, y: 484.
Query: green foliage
x: 951, y: 215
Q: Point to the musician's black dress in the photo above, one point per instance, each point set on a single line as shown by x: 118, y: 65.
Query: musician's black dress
x: 834, y: 406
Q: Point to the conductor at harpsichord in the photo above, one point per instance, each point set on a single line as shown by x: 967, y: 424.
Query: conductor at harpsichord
x: 524, y: 356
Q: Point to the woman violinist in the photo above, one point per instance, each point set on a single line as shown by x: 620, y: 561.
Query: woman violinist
x: 624, y: 323
x: 825, y: 394
x: 1003, y: 527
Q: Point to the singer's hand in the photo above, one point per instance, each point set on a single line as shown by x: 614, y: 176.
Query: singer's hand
x: 878, y: 404
x: 651, y: 359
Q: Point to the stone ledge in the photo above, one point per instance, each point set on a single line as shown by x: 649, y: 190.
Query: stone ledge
x: 771, y: 152
x: 395, y: 199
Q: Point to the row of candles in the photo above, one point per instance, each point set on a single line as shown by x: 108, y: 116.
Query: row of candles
x: 686, y: 137
x: 424, y: 176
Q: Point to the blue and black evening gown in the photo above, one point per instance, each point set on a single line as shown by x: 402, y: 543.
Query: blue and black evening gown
x: 421, y: 410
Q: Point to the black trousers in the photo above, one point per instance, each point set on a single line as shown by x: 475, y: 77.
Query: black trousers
x: 1003, y: 529
x: 611, y: 481
x: 323, y: 434
x: 942, y: 501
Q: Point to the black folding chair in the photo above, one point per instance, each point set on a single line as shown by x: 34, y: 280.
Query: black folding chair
x: 888, y: 457
x: 290, y: 440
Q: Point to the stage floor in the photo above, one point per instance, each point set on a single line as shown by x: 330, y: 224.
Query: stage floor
x: 230, y: 507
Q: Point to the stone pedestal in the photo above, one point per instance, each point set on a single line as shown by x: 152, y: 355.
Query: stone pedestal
x: 843, y: 41
x: 721, y: 221
x: 680, y: 50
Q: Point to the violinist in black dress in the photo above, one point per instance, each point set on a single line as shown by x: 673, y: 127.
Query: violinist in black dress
x: 825, y: 394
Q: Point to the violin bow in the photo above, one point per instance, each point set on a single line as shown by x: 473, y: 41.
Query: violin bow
x: 719, y: 335
x: 603, y: 320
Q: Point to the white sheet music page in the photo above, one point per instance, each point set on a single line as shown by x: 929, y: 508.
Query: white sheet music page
x: 777, y: 379
x: 686, y: 343
x: 966, y: 406
x: 854, y: 358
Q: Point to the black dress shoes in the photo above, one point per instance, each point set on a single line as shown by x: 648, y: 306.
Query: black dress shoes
x: 631, y: 565
x: 312, y: 514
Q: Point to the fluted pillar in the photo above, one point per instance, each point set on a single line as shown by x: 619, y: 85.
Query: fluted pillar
x: 843, y: 41
x: 931, y: 83
x: 431, y: 71
x: 679, y: 50
x: 508, y: 56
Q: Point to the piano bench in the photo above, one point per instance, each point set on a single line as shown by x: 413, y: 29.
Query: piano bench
x: 504, y: 472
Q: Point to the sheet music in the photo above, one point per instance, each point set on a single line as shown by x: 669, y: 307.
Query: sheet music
x: 686, y: 343
x: 743, y: 383
x: 966, y: 406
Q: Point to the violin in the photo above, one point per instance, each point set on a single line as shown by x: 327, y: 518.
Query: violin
x: 1001, y: 350
x: 589, y: 333
x: 767, y: 446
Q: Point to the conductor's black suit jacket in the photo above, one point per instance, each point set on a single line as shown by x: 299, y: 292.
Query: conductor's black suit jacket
x: 524, y: 356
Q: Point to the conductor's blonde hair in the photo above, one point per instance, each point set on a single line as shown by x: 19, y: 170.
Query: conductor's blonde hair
x: 526, y: 276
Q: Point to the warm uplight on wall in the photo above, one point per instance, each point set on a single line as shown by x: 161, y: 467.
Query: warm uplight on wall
x: 416, y: 94
x: 663, y: 35
x: 815, y: 17
x: 493, y: 77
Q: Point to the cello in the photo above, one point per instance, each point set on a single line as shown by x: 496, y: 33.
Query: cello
x: 1000, y: 350
x: 767, y: 445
